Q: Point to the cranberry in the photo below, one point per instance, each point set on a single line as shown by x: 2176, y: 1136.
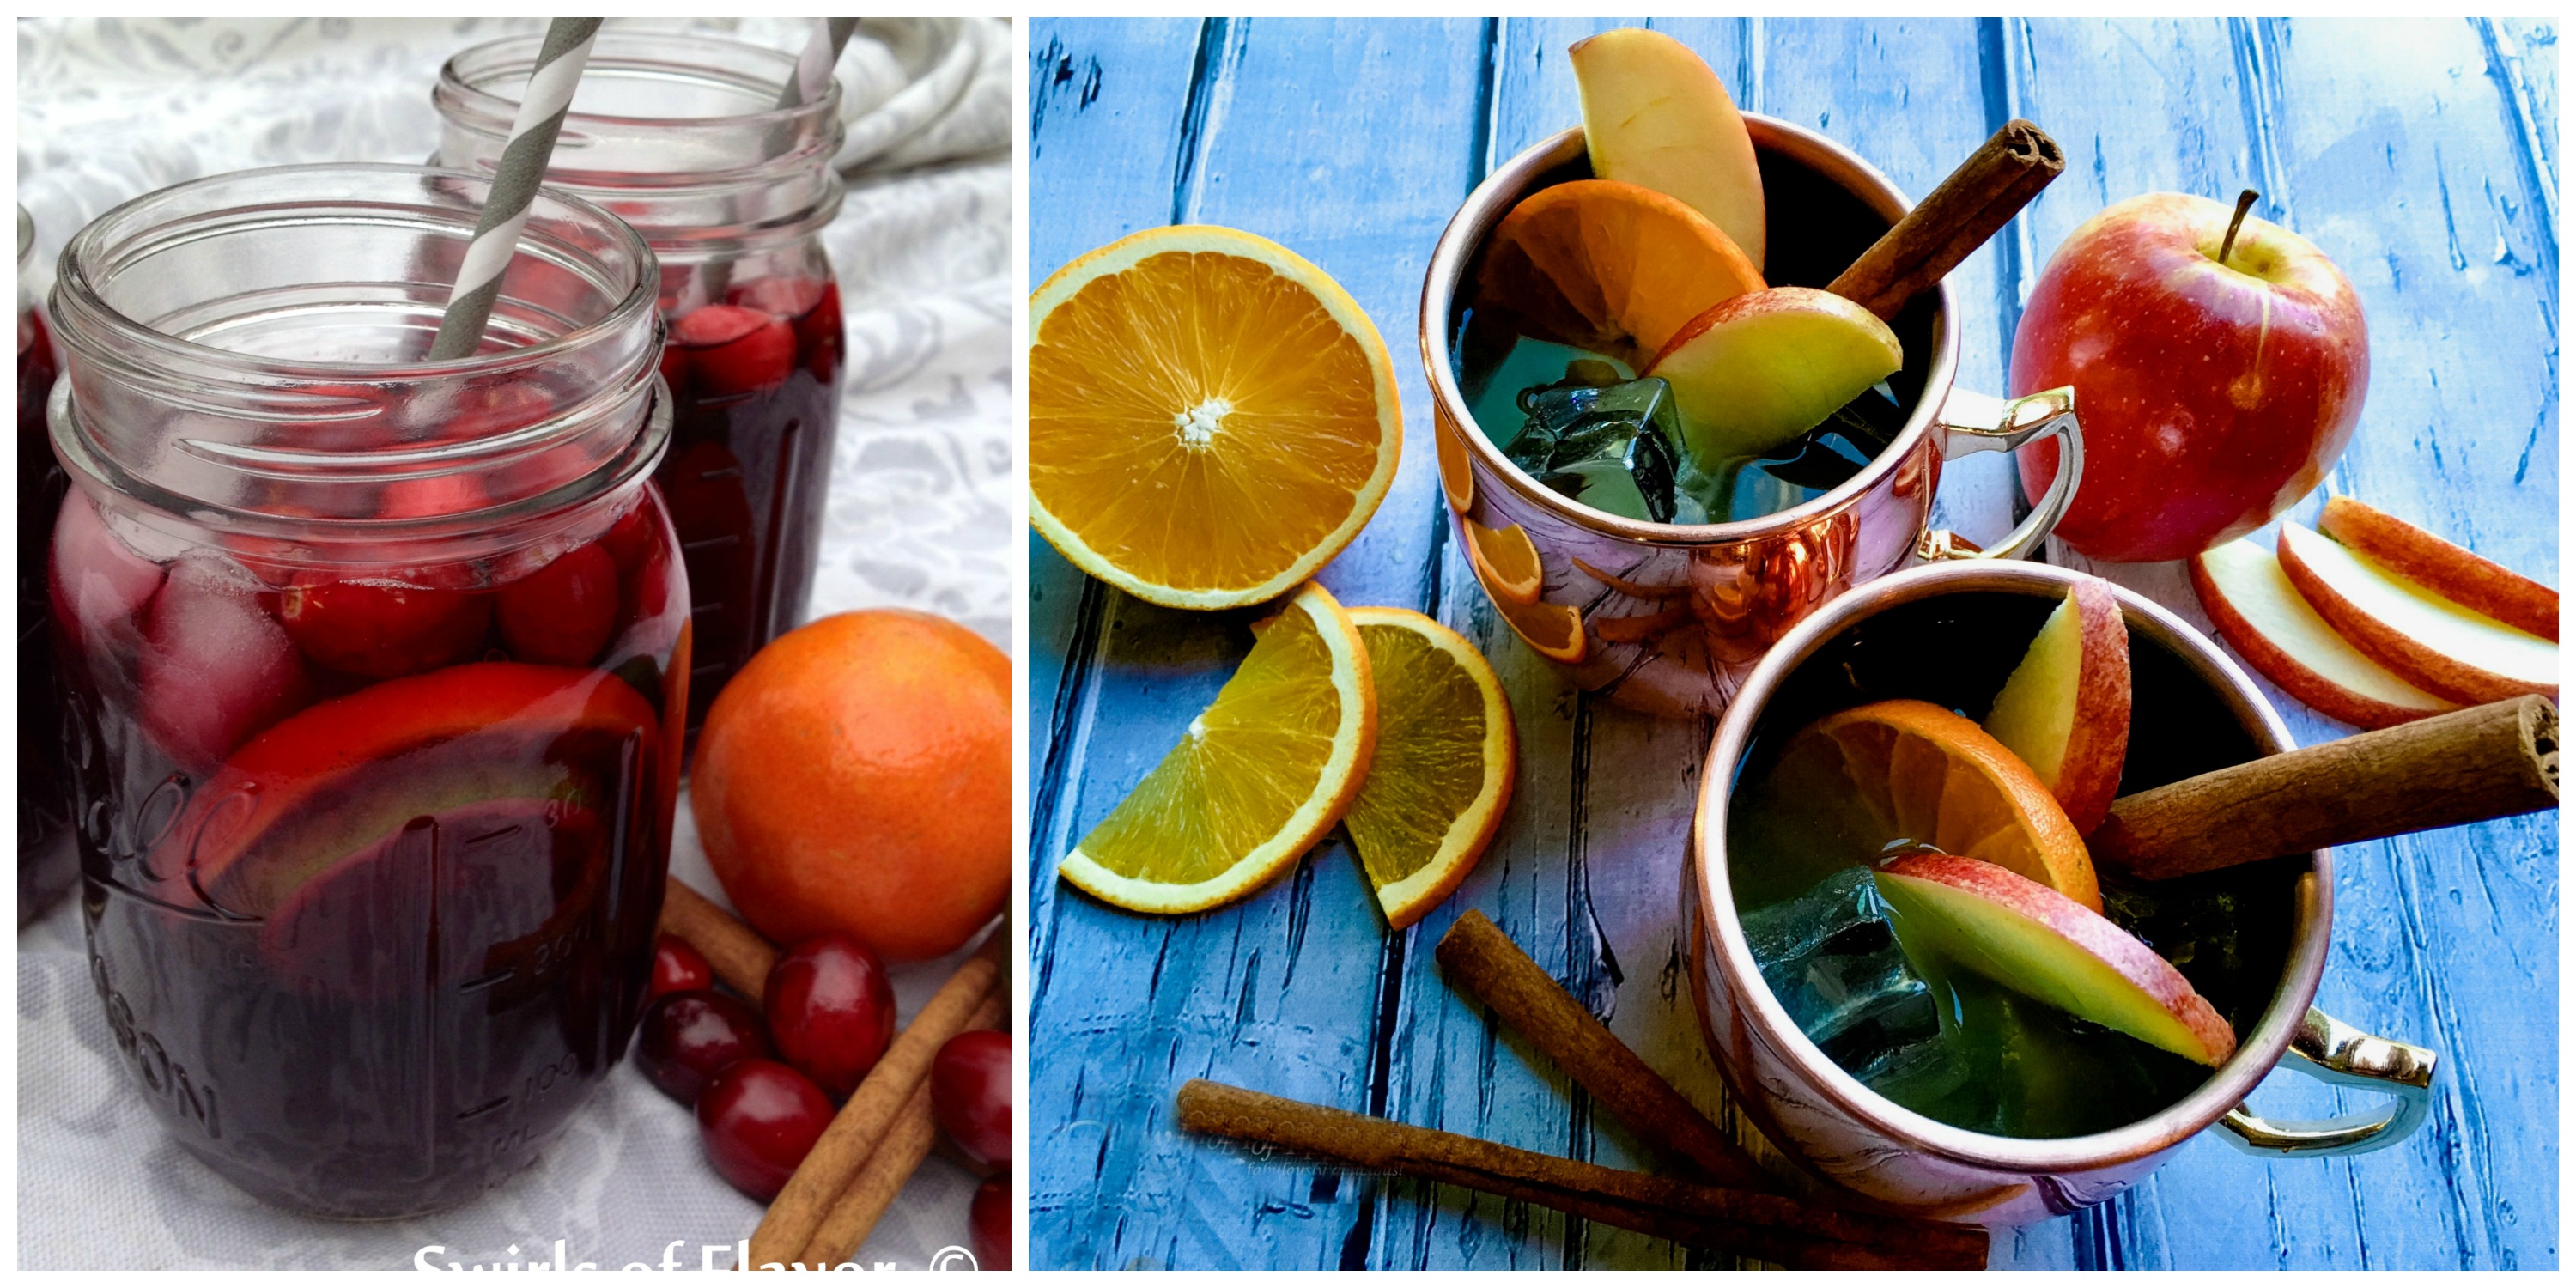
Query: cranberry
x: 989, y: 1220
x: 831, y: 1008
x: 970, y: 1094
x: 382, y: 630
x: 678, y: 968
x: 215, y: 669
x: 734, y: 350
x: 564, y: 612
x: 758, y: 1119
x: 689, y: 1038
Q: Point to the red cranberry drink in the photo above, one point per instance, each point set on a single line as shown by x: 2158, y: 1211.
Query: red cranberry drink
x: 48, y: 866
x: 680, y: 137
x: 376, y: 670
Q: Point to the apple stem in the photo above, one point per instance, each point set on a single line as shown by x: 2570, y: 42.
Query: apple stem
x: 2244, y: 201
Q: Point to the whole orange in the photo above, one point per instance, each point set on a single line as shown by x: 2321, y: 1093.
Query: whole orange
x: 856, y: 776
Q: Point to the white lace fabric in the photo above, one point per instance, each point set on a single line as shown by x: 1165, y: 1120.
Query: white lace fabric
x: 919, y: 517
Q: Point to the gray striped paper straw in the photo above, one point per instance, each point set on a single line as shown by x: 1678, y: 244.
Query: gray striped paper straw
x: 514, y: 186
x: 814, y: 66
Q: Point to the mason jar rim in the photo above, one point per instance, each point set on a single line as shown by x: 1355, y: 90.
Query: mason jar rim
x: 78, y: 281
x: 611, y: 50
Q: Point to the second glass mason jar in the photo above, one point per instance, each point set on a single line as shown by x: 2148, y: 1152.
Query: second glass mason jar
x: 375, y: 670
x: 679, y: 136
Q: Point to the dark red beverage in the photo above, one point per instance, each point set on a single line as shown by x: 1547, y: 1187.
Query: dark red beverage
x: 756, y: 385
x: 48, y: 862
x: 433, y: 883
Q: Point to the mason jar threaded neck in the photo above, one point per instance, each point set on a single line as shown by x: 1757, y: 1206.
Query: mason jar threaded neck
x: 246, y: 357
x: 679, y: 135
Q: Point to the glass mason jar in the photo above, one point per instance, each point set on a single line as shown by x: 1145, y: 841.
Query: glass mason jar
x: 48, y: 863
x: 374, y: 668
x: 678, y: 136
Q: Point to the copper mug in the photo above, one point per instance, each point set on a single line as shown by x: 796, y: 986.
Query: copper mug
x: 1853, y: 1137
x: 1666, y: 618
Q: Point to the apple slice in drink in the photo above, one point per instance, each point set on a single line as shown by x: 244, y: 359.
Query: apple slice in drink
x: 2462, y: 576
x: 1762, y: 368
x: 1655, y: 115
x: 1997, y: 923
x: 2065, y: 709
x: 2261, y: 615
x: 2430, y: 642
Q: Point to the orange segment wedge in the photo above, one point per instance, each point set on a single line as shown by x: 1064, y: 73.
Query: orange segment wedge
x: 1442, y: 770
x: 1259, y: 776
x: 1611, y: 267
x: 1211, y: 418
x: 1934, y: 778
x: 1505, y: 561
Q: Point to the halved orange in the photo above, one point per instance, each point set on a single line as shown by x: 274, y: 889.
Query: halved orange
x: 1611, y: 267
x: 1211, y: 418
x: 1442, y: 769
x: 1260, y: 776
x: 1506, y: 561
x: 1934, y: 778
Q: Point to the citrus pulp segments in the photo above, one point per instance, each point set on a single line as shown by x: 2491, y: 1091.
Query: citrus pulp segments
x: 1441, y: 773
x: 1211, y: 417
x: 1934, y: 778
x: 1261, y: 775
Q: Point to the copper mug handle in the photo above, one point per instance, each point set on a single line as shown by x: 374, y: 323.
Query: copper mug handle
x: 2328, y: 1050
x: 1975, y: 422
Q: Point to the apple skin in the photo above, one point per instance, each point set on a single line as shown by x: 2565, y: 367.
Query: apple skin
x: 1760, y: 368
x: 2212, y: 398
x: 2064, y: 966
x: 2065, y: 709
x: 2457, y: 574
x: 2428, y: 641
x: 2262, y: 616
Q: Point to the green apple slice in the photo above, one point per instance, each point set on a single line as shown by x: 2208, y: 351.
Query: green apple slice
x: 2031, y: 939
x: 1758, y: 370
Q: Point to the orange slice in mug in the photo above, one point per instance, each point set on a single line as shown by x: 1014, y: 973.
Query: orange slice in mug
x: 1611, y: 267
x: 1932, y: 777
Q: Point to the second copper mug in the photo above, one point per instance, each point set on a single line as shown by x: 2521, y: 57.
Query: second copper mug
x: 1668, y: 618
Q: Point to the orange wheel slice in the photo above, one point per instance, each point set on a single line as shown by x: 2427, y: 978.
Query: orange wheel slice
x: 1505, y: 561
x: 1611, y: 267
x: 1441, y: 772
x: 1211, y: 418
x: 1934, y: 778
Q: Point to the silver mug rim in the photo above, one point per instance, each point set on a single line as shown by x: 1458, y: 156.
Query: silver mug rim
x: 2228, y: 1087
x: 1510, y: 181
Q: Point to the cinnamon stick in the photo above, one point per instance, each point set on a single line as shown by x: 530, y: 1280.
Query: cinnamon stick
x: 1950, y: 223
x: 1480, y: 959
x: 2467, y: 766
x: 1754, y: 1224
x: 865, y: 1200
x: 861, y: 1125
x: 740, y: 956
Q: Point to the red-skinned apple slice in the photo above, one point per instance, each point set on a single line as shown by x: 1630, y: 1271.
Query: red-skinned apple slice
x: 1762, y: 368
x: 2065, y: 709
x: 2261, y: 615
x: 2455, y: 573
x: 2430, y: 642
x: 2037, y: 942
x: 1655, y: 115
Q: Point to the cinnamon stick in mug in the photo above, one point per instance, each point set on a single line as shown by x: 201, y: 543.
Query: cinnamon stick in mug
x: 1753, y: 1224
x: 1954, y: 219
x: 2486, y: 762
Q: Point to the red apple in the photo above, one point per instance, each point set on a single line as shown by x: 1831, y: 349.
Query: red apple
x: 2213, y: 396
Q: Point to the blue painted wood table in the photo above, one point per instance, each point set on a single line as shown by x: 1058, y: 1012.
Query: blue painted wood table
x: 2421, y: 156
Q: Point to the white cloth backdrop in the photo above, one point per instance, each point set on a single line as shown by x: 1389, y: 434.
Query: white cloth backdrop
x: 920, y: 517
